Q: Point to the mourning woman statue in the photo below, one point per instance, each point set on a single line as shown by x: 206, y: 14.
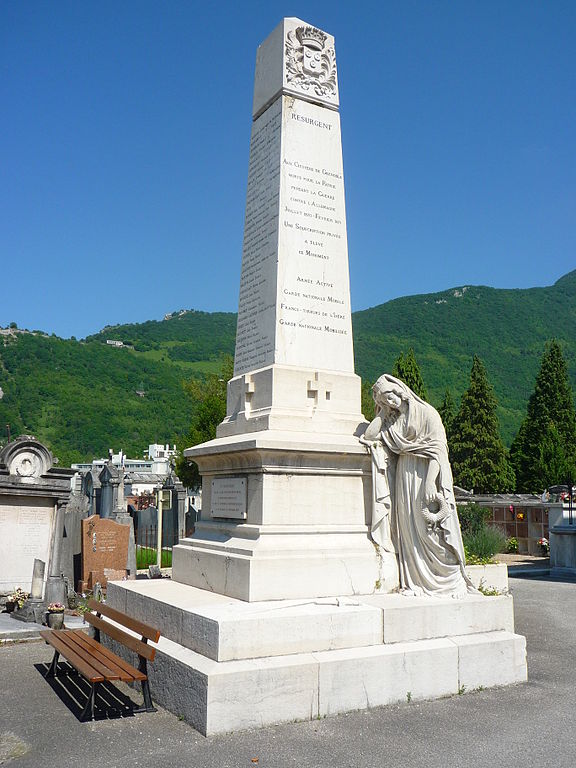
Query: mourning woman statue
x: 414, y: 511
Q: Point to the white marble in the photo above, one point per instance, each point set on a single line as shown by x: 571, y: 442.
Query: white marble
x: 224, y: 628
x: 407, y: 618
x: 370, y: 677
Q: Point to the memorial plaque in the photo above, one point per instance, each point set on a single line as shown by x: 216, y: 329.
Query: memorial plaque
x: 26, y: 531
x: 104, y: 551
x: 228, y: 498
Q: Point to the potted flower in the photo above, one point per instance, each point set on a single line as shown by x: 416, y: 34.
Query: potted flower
x: 544, y: 546
x: 55, y: 616
x: 16, y: 599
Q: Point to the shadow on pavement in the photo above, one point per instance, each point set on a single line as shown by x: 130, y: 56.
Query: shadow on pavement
x: 73, y: 690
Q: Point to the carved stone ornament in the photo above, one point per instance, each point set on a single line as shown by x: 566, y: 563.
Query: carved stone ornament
x: 435, y: 518
x: 26, y: 457
x: 27, y: 464
x: 310, y: 65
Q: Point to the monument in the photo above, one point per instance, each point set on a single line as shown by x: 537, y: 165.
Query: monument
x: 282, y: 605
x: 285, y: 482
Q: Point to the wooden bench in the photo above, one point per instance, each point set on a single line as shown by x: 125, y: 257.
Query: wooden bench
x: 96, y: 663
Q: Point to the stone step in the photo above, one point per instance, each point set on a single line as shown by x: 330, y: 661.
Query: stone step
x: 223, y: 628
x: 217, y: 697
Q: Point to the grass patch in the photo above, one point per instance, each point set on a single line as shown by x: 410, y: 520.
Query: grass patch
x: 146, y: 556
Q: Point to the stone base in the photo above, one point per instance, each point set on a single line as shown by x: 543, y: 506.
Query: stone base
x: 224, y: 664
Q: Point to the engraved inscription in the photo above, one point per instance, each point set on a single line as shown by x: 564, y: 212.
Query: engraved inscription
x: 256, y: 309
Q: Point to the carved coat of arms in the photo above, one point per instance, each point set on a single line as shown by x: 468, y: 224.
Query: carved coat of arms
x: 310, y: 65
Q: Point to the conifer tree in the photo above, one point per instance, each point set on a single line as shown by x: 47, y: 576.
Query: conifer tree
x: 407, y: 370
x: 478, y: 456
x: 447, y: 413
x: 543, y: 450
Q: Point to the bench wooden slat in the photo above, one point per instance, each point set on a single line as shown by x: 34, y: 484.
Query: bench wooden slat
x: 124, y: 667
x: 73, y: 640
x: 104, y: 658
x: 121, y: 618
x: 85, y: 668
x: 116, y: 633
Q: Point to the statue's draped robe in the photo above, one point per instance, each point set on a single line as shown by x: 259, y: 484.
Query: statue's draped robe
x: 430, y: 557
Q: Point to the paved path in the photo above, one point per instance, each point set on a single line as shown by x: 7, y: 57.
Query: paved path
x: 525, y: 725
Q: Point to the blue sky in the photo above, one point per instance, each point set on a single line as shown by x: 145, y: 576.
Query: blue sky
x: 125, y: 136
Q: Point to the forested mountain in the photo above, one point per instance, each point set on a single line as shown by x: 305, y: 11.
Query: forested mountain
x: 82, y: 397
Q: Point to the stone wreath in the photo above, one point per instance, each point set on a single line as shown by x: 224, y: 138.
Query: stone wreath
x: 434, y: 518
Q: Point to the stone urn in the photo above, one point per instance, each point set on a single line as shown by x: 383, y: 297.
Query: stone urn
x: 55, y: 616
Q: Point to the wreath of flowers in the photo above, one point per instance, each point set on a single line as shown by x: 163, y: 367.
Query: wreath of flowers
x: 434, y: 518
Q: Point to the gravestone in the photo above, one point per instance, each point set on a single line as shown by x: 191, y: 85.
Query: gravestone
x: 285, y: 482
x: 104, y: 552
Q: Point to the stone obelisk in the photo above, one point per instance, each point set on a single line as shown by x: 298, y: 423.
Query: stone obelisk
x: 286, y: 485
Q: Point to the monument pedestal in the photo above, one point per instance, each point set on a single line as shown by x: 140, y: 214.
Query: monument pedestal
x: 302, y: 529
x: 224, y: 664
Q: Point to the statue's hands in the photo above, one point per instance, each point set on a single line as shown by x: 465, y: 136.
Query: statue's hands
x: 430, y: 492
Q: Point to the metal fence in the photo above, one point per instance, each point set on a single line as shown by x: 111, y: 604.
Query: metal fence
x: 147, y: 545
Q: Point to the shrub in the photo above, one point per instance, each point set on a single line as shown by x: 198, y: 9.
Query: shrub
x: 473, y: 518
x: 512, y: 545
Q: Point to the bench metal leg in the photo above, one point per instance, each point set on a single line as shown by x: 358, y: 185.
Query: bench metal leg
x: 147, y: 697
x: 53, y: 668
x: 147, y: 705
x: 88, y: 712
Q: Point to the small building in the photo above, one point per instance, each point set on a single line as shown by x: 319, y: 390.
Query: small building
x: 524, y: 517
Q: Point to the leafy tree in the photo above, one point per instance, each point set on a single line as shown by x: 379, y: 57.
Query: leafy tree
x: 478, y: 457
x: 543, y: 451
x: 407, y: 370
x: 209, y: 396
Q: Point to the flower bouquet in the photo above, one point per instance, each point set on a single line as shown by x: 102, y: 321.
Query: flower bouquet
x: 16, y: 599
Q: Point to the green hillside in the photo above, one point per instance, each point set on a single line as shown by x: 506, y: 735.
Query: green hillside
x: 507, y: 329
x: 80, y: 397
